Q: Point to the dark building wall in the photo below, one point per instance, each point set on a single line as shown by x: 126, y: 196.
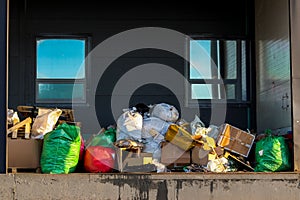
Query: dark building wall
x: 101, y: 21
x: 3, y: 84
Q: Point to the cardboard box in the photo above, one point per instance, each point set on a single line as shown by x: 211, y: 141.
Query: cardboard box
x: 24, y: 153
x: 130, y: 158
x: 143, y: 159
x: 199, y: 156
x: 235, y: 140
x: 172, y: 154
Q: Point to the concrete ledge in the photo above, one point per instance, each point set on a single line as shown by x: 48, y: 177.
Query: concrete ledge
x: 185, y: 186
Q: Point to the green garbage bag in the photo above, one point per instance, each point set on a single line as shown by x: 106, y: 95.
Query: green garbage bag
x: 105, y: 139
x: 61, y: 148
x: 272, y: 154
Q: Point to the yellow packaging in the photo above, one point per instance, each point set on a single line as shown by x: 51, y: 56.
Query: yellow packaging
x: 179, y: 137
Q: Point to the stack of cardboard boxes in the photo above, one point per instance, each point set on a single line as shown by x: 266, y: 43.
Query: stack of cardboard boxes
x: 181, y: 150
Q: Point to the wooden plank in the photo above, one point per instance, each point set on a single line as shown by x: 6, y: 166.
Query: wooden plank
x: 27, y: 130
x: 15, y: 134
x: 19, y: 125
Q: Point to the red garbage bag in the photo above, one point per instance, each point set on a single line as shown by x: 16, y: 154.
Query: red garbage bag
x: 99, y: 159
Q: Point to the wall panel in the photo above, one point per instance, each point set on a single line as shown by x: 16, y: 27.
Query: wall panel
x: 272, y: 63
x: 32, y: 18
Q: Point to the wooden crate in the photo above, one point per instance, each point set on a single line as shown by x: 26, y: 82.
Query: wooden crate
x: 235, y: 140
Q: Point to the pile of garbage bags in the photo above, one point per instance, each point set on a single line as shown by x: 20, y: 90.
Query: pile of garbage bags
x: 147, y: 127
x: 153, y: 126
x: 153, y: 138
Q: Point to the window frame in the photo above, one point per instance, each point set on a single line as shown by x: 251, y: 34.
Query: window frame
x: 238, y: 101
x: 84, y: 81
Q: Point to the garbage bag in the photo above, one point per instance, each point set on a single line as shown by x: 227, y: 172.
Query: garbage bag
x: 129, y: 126
x: 99, y: 159
x: 154, y: 147
x: 153, y: 126
x: 44, y: 122
x: 105, y: 139
x: 165, y: 112
x: 153, y: 133
x: 61, y: 149
x: 143, y: 109
x: 272, y: 154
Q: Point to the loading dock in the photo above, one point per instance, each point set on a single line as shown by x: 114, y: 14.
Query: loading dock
x: 288, y: 182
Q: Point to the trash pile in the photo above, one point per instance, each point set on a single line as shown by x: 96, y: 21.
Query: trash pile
x: 145, y: 138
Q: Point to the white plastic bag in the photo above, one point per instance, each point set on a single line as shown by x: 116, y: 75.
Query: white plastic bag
x: 129, y: 126
x: 196, y: 124
x: 12, y: 117
x: 44, y: 122
x: 165, y: 112
x: 160, y: 167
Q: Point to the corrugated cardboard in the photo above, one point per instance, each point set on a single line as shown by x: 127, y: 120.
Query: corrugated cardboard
x: 131, y: 157
x: 24, y: 153
x: 172, y: 154
x: 199, y: 156
x: 235, y: 140
x: 143, y: 159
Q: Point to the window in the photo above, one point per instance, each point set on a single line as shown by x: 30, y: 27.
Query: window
x: 217, y: 70
x: 60, y: 69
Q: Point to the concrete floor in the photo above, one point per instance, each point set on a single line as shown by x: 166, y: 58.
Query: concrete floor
x: 186, y: 186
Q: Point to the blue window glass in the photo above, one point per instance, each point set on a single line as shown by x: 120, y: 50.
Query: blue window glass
x: 60, y: 70
x: 60, y: 91
x: 217, y: 70
x: 60, y: 58
x: 200, y: 67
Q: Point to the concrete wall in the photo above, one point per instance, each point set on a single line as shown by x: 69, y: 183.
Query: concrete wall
x: 234, y: 186
x: 272, y: 40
